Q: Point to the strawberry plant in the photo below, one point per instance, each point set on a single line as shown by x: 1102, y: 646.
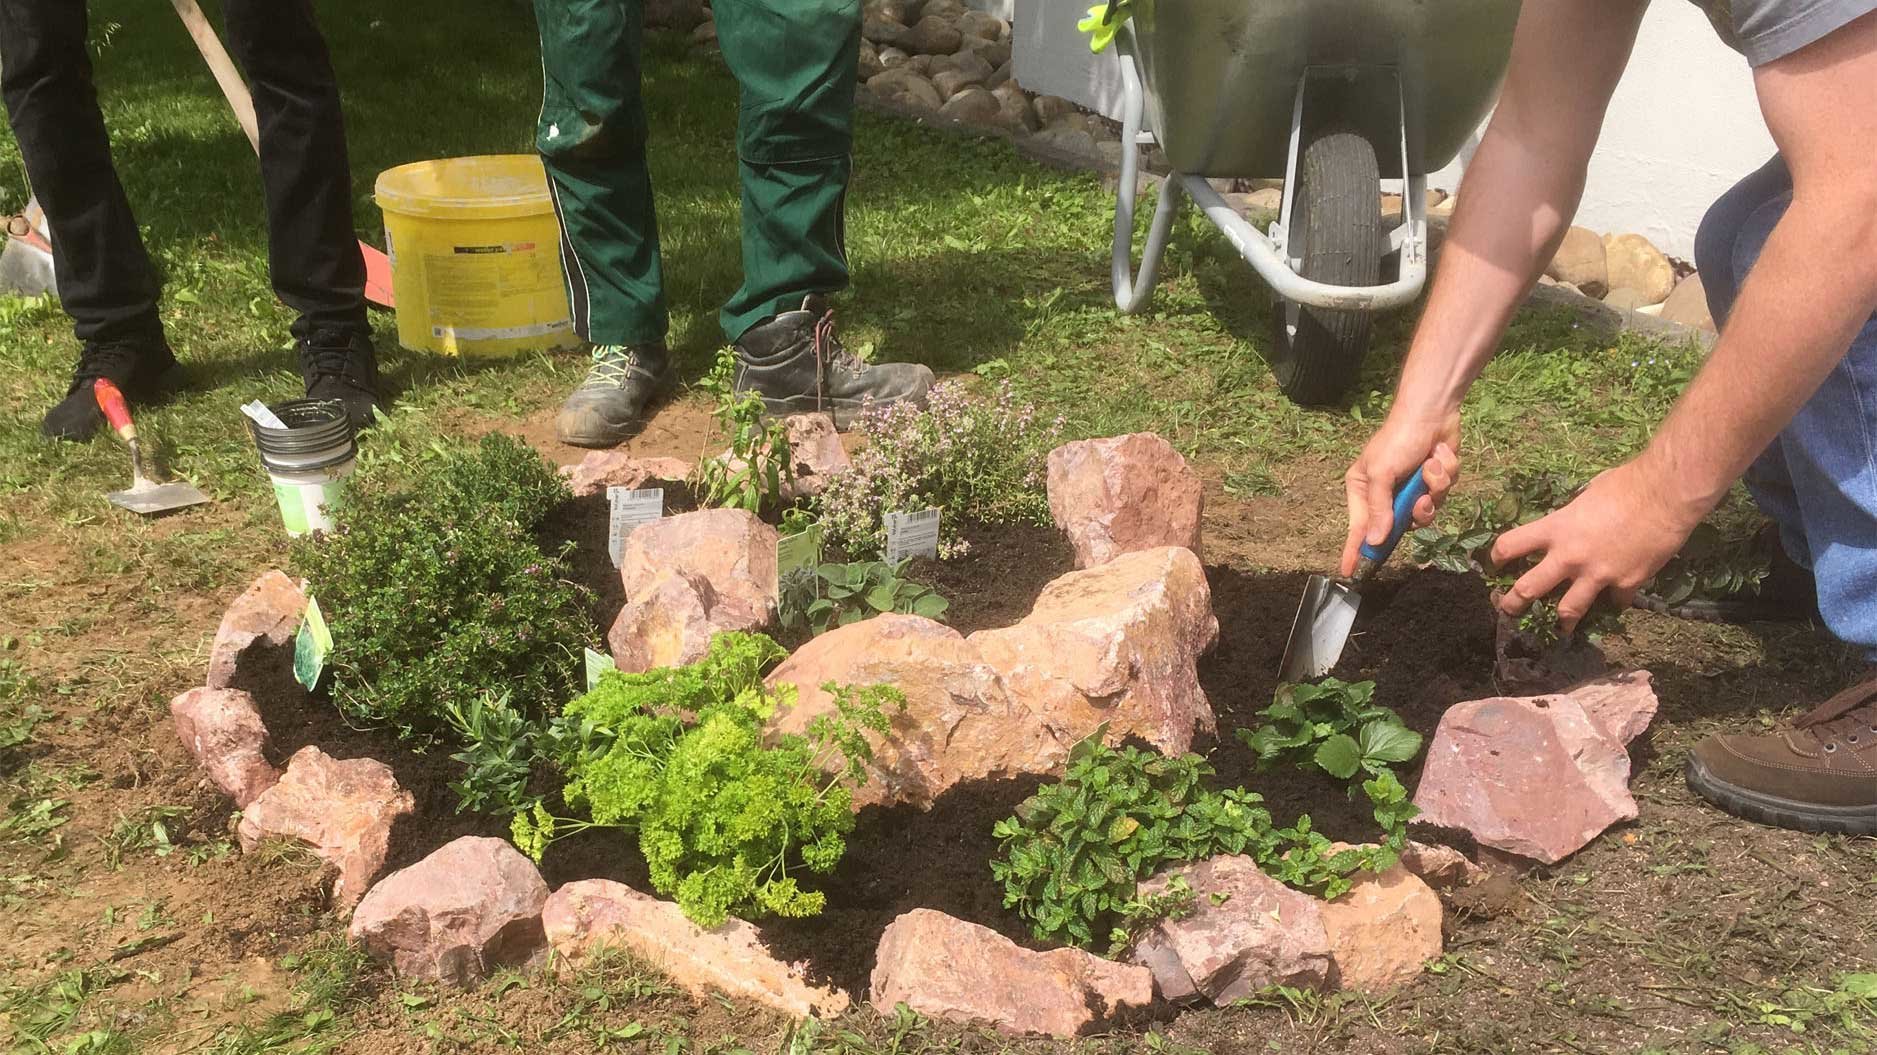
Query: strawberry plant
x: 728, y: 818
x: 1072, y: 858
x: 1338, y: 727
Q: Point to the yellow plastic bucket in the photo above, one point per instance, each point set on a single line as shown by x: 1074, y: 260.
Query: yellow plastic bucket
x: 475, y: 256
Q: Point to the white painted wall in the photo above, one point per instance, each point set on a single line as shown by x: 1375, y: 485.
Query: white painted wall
x: 1684, y: 124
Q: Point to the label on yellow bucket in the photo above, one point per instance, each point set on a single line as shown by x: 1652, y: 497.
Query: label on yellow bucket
x: 469, y: 290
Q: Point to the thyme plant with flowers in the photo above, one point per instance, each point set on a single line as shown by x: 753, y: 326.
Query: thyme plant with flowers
x: 981, y: 460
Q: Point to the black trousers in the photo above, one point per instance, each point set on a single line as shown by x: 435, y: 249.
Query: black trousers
x: 104, y: 275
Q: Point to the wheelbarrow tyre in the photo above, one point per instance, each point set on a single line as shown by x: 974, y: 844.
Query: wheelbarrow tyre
x: 1336, y: 222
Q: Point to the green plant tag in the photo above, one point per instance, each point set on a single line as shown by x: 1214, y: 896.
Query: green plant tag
x: 630, y: 510
x: 912, y: 535
x: 311, y: 646
x: 598, y: 663
x: 799, y: 551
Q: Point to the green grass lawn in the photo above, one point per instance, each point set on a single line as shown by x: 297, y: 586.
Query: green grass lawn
x: 965, y: 256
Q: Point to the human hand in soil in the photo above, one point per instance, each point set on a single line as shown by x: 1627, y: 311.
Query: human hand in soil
x: 1614, y: 536
x: 1397, y: 449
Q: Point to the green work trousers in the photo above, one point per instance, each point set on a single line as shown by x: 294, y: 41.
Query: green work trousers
x: 796, y: 62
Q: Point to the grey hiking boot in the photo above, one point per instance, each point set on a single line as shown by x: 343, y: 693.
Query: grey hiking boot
x: 797, y: 365
x: 609, y: 406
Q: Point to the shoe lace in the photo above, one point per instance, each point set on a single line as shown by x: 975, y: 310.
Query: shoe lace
x: 328, y: 354
x: 104, y: 360
x: 613, y: 365
x: 830, y: 353
x: 1849, y: 716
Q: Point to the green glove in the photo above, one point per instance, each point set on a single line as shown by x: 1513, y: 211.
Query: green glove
x: 1102, y: 24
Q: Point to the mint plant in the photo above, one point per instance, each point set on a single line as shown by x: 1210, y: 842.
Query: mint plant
x: 838, y: 594
x: 757, y: 466
x: 728, y: 819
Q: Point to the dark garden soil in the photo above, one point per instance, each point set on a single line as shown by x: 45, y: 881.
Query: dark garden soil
x: 1669, y: 932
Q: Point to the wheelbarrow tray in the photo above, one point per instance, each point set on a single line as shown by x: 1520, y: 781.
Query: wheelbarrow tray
x: 1221, y: 76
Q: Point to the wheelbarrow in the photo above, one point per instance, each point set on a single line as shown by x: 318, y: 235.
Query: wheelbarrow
x: 1331, y: 96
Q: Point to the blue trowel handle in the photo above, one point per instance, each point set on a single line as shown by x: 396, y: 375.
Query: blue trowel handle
x: 1410, y: 493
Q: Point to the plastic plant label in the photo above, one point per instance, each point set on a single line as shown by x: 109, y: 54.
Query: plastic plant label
x: 311, y: 646
x: 598, y: 663
x: 630, y: 511
x: 799, y: 551
x: 912, y: 535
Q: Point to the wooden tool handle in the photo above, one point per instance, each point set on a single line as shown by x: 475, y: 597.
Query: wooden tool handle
x: 234, y: 89
x: 116, y: 411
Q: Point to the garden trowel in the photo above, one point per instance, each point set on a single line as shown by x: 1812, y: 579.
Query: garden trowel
x: 1328, y: 611
x: 144, y: 495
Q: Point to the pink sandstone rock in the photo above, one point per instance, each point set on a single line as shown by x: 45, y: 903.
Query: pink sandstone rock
x: 1118, y: 643
x: 1535, y: 777
x: 1122, y: 494
x: 1246, y: 931
x: 222, y: 729
x: 344, y: 810
x: 1441, y: 867
x: 958, y: 724
x: 671, y: 625
x: 1622, y: 705
x: 950, y: 969
x: 815, y: 453
x: 730, y: 958
x: 599, y: 470
x: 1382, y: 931
x: 268, y: 610
x: 468, y: 908
x: 729, y: 548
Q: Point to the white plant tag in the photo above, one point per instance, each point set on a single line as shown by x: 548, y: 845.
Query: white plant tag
x: 262, y: 415
x: 912, y: 535
x: 630, y: 511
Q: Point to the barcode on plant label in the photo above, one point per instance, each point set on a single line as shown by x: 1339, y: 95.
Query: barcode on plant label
x: 912, y: 535
x: 630, y: 510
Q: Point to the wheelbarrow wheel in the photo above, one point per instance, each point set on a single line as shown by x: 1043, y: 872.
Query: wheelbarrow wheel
x: 1336, y: 230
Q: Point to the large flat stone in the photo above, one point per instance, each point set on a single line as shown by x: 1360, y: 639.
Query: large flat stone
x: 731, y: 958
x: 947, y: 968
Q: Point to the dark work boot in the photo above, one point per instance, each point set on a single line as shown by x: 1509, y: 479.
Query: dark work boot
x: 797, y: 365
x: 143, y: 367
x: 1819, y: 775
x: 342, y: 365
x: 609, y: 406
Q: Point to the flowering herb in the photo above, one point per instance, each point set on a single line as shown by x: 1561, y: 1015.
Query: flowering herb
x: 982, y: 461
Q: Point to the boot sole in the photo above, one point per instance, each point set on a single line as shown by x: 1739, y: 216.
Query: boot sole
x: 1780, y: 812
x: 844, y: 413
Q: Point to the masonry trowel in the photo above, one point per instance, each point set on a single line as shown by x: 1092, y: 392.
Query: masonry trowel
x: 1328, y: 611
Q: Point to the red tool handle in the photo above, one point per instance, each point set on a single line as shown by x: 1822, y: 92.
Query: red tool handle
x: 116, y: 411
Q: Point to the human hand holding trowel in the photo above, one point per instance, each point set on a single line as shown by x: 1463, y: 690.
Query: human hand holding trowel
x: 1328, y: 610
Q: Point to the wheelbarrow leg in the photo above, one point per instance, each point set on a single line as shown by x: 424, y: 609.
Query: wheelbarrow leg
x: 1132, y: 292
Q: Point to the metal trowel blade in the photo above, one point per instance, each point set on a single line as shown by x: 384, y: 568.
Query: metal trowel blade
x: 150, y: 499
x: 1320, y: 631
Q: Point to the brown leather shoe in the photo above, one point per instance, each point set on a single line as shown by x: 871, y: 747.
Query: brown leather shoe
x: 1820, y: 775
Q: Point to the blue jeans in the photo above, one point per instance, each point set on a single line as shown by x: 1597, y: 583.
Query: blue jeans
x: 1818, y: 478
